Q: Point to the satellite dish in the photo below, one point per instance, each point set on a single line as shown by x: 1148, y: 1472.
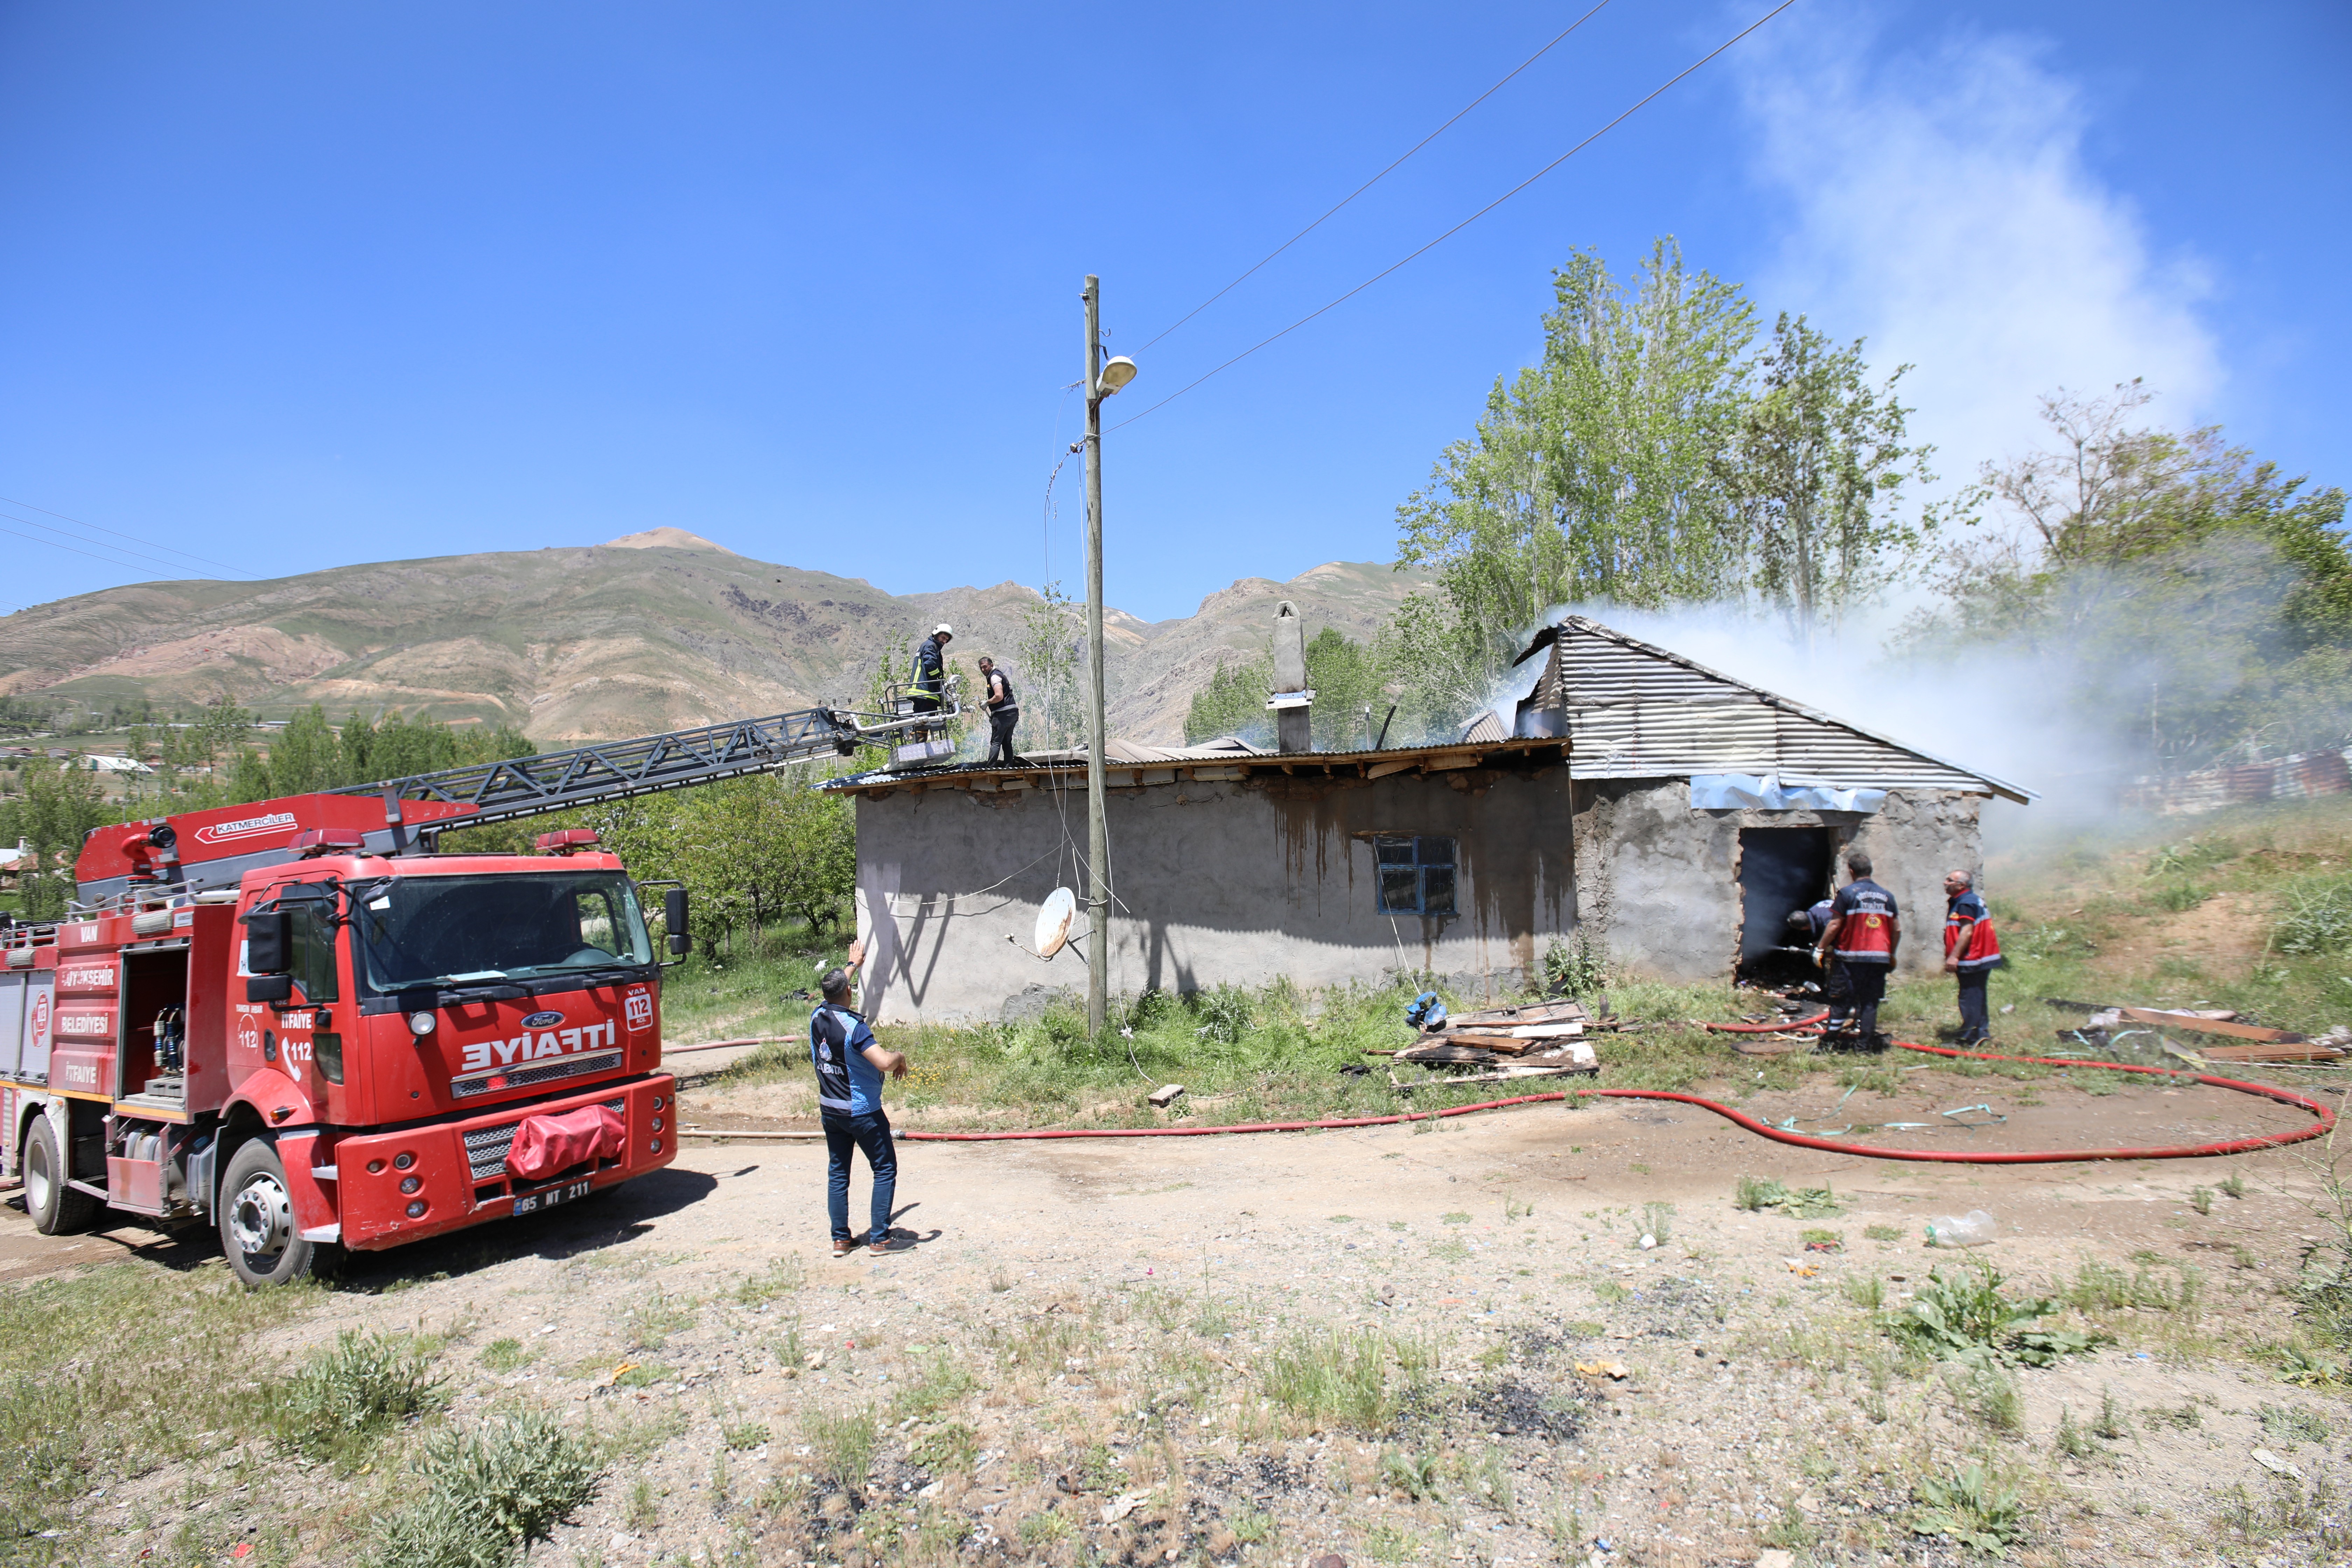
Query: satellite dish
x: 1054, y: 918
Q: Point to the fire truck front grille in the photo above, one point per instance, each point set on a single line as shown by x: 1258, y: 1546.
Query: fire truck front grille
x: 523, y: 1078
x: 486, y: 1147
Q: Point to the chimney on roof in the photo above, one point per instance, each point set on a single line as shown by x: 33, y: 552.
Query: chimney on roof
x: 1293, y: 704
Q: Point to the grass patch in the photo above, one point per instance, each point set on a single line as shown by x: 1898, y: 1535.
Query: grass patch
x: 782, y: 1278
x: 1758, y: 1194
x: 1359, y: 1381
x: 504, y: 1355
x: 841, y: 1445
x: 491, y: 1493
x: 351, y: 1393
x: 1966, y: 1317
x: 1972, y: 1506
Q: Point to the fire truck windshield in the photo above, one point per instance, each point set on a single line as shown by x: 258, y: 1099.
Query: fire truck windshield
x: 417, y: 931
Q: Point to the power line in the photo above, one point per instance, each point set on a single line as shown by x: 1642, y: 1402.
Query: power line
x: 1466, y: 222
x: 1376, y: 179
x: 134, y: 539
x: 154, y: 560
x: 54, y: 546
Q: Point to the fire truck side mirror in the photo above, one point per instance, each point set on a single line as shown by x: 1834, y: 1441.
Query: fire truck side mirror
x: 269, y: 942
x: 681, y: 940
x: 270, y: 988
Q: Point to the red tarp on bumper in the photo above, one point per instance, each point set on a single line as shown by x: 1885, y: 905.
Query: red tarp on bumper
x: 546, y: 1144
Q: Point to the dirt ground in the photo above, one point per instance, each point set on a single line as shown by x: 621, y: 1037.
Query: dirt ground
x: 1083, y: 1356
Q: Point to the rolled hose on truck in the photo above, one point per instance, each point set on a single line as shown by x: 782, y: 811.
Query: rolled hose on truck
x: 2324, y: 1122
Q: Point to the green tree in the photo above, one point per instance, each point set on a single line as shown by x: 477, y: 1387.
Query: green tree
x: 307, y: 757
x: 1233, y: 703
x: 248, y: 776
x: 2168, y: 595
x: 1049, y: 672
x: 1345, y: 679
x: 1815, y: 472
x: 357, y: 740
x: 1593, y: 474
x: 217, y: 734
x: 58, y: 807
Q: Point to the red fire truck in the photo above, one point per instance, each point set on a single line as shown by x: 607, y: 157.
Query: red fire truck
x: 302, y: 1023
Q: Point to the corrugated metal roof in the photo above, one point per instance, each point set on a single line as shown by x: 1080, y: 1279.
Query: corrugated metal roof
x: 1635, y: 710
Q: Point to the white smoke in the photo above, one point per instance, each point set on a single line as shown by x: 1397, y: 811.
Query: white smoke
x: 1942, y: 207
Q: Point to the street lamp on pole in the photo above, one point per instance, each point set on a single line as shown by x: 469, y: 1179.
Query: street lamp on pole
x: 1102, y: 380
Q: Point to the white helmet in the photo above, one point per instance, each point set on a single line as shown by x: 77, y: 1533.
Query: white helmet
x: 943, y: 630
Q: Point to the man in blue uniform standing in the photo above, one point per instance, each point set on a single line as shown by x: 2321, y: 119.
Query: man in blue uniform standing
x: 1863, y: 932
x: 850, y: 1064
x: 1972, y: 953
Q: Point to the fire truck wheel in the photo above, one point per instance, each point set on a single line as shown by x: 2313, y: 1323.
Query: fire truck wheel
x: 256, y: 1221
x: 57, y: 1209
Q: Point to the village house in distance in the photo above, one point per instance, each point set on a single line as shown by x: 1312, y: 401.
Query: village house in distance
x: 1670, y: 815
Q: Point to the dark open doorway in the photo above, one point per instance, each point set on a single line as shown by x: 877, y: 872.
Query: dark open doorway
x: 1781, y: 870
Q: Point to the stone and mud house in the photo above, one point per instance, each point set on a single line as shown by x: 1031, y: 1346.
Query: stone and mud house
x: 1654, y: 811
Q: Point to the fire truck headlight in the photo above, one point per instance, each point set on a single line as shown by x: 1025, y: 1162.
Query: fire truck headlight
x: 421, y: 1024
x: 410, y: 1183
x: 416, y: 1209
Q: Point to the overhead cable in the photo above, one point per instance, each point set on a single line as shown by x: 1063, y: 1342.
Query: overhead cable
x: 177, y: 566
x: 1376, y: 179
x: 168, y: 549
x: 1466, y: 222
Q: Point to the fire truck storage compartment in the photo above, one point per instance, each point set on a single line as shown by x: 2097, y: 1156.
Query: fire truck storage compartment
x: 153, y: 980
x: 26, y: 996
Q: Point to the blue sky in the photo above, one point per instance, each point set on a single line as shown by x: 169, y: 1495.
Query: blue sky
x: 289, y: 286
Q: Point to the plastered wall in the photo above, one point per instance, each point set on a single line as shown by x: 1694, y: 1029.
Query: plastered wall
x: 1241, y: 882
x: 1229, y: 882
x: 1658, y: 881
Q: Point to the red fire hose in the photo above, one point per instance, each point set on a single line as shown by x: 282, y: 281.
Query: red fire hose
x: 2324, y: 1122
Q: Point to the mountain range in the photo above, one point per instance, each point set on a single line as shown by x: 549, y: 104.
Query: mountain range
x: 654, y: 631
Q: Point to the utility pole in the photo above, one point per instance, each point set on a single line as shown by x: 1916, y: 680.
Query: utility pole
x: 1098, y: 830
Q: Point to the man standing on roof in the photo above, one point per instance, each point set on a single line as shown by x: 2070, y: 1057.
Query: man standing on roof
x: 1003, y: 712
x: 1864, y: 931
x: 930, y: 680
x: 849, y: 1067
x: 1971, y: 951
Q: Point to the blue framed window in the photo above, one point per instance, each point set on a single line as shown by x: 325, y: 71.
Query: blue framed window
x: 1416, y: 874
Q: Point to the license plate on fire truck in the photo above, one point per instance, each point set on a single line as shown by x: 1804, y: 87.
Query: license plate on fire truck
x: 531, y: 1203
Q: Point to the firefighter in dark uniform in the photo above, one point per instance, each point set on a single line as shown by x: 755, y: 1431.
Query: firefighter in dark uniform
x: 1003, y: 714
x: 1806, y: 926
x: 928, y: 682
x: 1863, y: 932
x: 1971, y: 951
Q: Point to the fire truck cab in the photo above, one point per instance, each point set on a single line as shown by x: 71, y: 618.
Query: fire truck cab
x: 346, y: 1049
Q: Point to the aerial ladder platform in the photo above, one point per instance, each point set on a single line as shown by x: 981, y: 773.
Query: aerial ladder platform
x: 207, y: 851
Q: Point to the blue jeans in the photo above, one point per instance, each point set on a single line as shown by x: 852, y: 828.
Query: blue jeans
x: 870, y: 1132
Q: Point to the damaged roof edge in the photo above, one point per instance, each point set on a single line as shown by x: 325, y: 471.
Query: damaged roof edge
x: 1550, y: 634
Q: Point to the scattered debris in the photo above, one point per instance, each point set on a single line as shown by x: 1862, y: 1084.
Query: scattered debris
x: 2276, y: 1464
x: 1975, y: 1229
x: 1166, y: 1095
x: 1611, y: 1369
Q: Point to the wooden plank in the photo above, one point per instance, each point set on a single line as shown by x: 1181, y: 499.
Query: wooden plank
x: 2195, y: 1024
x: 1441, y: 1053
x: 2284, y: 1052
x: 1533, y: 1013
x: 1383, y: 770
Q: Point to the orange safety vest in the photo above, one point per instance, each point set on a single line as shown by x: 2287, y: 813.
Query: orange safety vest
x: 1868, y: 934
x: 1984, y: 946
